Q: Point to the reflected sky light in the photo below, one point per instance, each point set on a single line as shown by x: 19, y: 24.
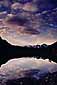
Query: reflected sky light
x: 17, y: 68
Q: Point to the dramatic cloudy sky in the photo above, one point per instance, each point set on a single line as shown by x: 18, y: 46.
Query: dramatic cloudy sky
x: 24, y: 22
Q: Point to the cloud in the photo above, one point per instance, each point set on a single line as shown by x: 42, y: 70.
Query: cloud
x: 30, y: 7
x: 27, y: 28
x: 21, y: 67
x: 17, y: 31
x: 16, y: 6
x: 53, y: 33
x: 16, y: 20
x: 3, y: 14
x: 19, y: 24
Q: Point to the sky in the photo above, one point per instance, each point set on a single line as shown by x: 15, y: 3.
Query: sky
x: 28, y: 22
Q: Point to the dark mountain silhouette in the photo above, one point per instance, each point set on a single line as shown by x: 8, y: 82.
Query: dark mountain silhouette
x: 8, y: 51
x: 53, y: 51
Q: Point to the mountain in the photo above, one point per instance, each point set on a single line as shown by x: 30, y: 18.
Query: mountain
x: 54, y: 45
x: 8, y: 51
x: 53, y: 50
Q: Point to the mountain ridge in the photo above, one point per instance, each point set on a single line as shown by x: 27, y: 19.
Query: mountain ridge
x: 8, y: 51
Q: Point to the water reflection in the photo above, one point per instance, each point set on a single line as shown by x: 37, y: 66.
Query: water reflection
x: 31, y: 70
